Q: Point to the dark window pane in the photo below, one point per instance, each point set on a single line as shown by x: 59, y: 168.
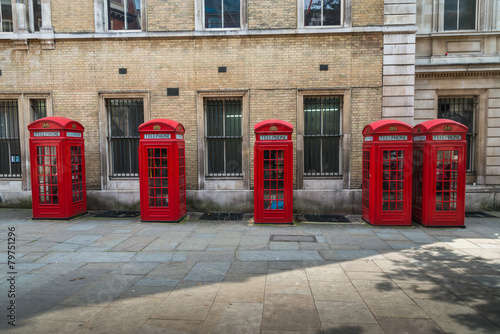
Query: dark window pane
x: 10, y: 149
x: 331, y: 12
x: 37, y: 14
x: 312, y: 116
x: 231, y: 13
x: 116, y: 15
x: 6, y: 17
x: 133, y: 14
x: 467, y: 14
x: 450, y: 14
x: 312, y: 12
x: 462, y: 110
x: 38, y: 109
x: 213, y: 14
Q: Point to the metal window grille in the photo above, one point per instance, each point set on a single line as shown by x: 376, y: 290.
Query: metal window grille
x: 38, y: 109
x: 223, y: 137
x: 124, y: 118
x: 10, y: 147
x: 462, y: 110
x: 323, y: 136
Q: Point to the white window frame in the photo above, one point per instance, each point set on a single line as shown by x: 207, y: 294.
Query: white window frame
x: 102, y: 22
x: 345, y: 7
x: 116, y: 183
x: 14, y: 18
x: 485, y: 16
x: 200, y: 17
x: 26, y: 22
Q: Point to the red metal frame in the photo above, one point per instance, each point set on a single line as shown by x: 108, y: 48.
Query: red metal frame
x: 440, y: 148
x: 386, y: 173
x: 273, y: 169
x: 57, y: 155
x: 162, y: 171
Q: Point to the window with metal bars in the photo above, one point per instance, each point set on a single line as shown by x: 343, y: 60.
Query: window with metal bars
x: 223, y: 137
x: 322, y: 136
x: 462, y: 110
x: 38, y: 109
x: 10, y: 147
x: 124, y: 118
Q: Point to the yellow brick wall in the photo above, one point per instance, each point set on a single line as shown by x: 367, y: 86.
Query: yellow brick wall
x: 366, y: 107
x: 367, y: 12
x: 278, y: 14
x: 73, y: 16
x: 170, y: 15
x: 271, y: 69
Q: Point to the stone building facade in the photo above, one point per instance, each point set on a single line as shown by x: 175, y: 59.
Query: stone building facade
x: 220, y: 67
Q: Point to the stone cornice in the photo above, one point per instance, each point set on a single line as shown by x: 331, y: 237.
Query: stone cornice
x: 420, y: 75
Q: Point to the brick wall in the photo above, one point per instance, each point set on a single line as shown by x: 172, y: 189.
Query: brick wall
x: 367, y: 12
x: 278, y: 14
x: 271, y: 69
x: 170, y: 15
x: 73, y: 16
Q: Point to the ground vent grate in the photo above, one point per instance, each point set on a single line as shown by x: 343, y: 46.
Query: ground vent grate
x: 327, y: 218
x: 293, y: 238
x: 118, y: 214
x: 221, y: 216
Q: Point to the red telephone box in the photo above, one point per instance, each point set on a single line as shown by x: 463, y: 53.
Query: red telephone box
x: 162, y: 170
x: 439, y: 168
x: 273, y: 169
x: 57, y: 155
x: 387, y: 167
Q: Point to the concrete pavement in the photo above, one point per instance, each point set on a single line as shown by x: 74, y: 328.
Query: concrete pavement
x: 91, y: 275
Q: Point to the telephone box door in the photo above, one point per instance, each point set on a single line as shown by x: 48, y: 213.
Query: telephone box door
x: 162, y: 171
x: 273, y: 169
x: 275, y: 184
x: 46, y: 173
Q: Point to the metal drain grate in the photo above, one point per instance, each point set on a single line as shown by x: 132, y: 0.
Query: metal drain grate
x: 293, y: 238
x: 478, y: 214
x: 118, y: 214
x: 221, y: 216
x: 327, y: 218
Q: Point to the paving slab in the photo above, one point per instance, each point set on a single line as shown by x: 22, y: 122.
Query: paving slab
x: 128, y: 315
x: 189, y: 301
x: 208, y: 272
x: 334, y: 291
x: 277, y: 255
x: 344, y: 313
x: 242, y: 288
x: 405, y: 325
x: 159, y: 326
x: 290, y: 312
x: 231, y: 318
x: 386, y: 299
x: 454, y: 316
